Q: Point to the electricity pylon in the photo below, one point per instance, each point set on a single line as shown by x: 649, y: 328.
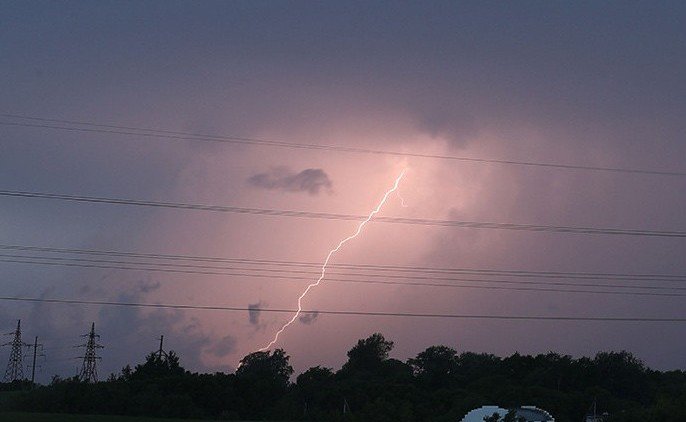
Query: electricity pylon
x: 15, y: 367
x: 89, y: 370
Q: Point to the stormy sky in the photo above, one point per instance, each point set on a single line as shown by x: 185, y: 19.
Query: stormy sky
x: 595, y: 84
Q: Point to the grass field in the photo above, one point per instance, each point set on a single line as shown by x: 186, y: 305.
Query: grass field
x: 55, y: 417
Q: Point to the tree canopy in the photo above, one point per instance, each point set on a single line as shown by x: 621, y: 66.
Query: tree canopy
x: 369, y: 353
x: 438, y: 384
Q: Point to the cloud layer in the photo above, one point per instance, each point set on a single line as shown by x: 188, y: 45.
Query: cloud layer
x: 596, y: 84
x: 311, y: 181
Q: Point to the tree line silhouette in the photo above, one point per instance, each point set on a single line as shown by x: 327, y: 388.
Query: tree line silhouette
x: 437, y: 385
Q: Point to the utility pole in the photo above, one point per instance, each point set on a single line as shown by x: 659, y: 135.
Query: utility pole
x: 15, y: 368
x: 89, y: 371
x: 161, y: 351
x: 35, y: 353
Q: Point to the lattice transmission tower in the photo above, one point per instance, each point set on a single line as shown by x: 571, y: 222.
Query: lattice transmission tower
x: 15, y: 365
x: 89, y: 370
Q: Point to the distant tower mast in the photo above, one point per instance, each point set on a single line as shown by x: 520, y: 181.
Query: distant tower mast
x: 89, y: 371
x: 35, y: 346
x: 161, y: 351
x: 15, y: 366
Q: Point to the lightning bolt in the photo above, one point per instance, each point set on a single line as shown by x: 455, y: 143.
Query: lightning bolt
x: 328, y: 258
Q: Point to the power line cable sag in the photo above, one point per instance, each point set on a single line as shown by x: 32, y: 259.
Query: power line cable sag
x: 195, y: 269
x: 411, y: 284
x: 366, y: 267
x: 348, y: 217
x: 276, y: 269
x: 440, y: 281
x: 351, y: 313
x: 186, y: 136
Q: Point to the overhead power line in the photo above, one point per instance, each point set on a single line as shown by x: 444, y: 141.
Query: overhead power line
x: 295, y: 271
x: 366, y: 267
x: 258, y: 270
x: 395, y: 283
x: 270, y: 270
x: 352, y: 313
x: 91, y: 127
x: 347, y: 217
x: 298, y: 271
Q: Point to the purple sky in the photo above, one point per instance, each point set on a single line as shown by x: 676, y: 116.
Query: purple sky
x: 597, y: 84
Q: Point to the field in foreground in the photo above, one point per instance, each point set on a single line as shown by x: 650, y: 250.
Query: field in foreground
x: 54, y: 417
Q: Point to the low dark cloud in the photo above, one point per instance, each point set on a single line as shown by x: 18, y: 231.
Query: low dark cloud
x: 254, y: 313
x: 148, y: 287
x: 309, y: 318
x: 312, y: 181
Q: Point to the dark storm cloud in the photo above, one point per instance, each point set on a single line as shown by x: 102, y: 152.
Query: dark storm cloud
x: 312, y: 181
x: 454, y: 69
x: 596, y: 83
x: 150, y: 286
x: 254, y: 313
x: 309, y: 318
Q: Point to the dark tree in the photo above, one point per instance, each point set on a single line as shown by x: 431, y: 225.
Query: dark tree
x: 157, y: 366
x: 314, y: 378
x: 317, y: 392
x: 622, y: 374
x: 265, y: 367
x: 262, y: 379
x: 368, y: 354
x: 435, y: 365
